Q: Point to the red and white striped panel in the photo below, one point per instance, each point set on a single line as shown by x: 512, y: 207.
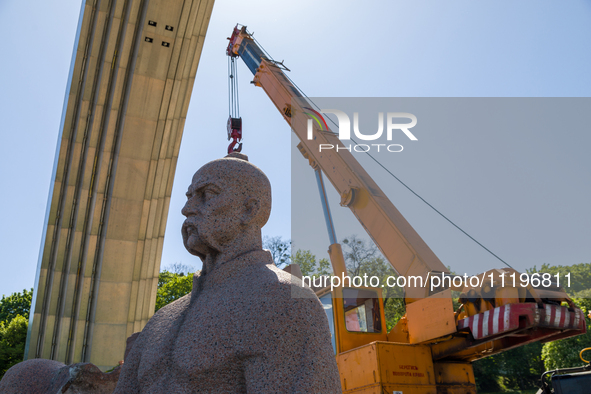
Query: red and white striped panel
x: 489, y: 323
x: 561, y: 317
x: 506, y: 318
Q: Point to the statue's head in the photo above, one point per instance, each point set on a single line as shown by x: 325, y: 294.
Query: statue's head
x: 228, y: 200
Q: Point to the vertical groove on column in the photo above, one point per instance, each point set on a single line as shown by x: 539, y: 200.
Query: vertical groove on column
x: 64, y: 185
x: 109, y: 187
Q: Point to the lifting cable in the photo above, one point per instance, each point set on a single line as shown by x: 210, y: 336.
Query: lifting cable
x: 234, y: 119
x: 387, y: 170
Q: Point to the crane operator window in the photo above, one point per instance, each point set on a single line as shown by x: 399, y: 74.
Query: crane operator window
x: 362, y: 310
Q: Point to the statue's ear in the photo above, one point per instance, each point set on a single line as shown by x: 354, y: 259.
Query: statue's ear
x: 252, y: 207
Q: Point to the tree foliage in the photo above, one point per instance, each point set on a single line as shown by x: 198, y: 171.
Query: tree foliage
x: 580, y: 275
x: 515, y: 369
x: 359, y: 254
x: 15, y: 304
x: 565, y: 352
x: 171, y: 287
x: 522, y: 366
x: 280, y: 250
x: 12, y: 342
x: 179, y: 268
x: 324, y: 267
x: 487, y: 374
x: 14, y: 314
x: 309, y: 265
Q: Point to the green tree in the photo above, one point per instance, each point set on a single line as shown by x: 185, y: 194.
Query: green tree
x: 515, y: 369
x: 565, y: 352
x: 171, y: 287
x: 580, y: 275
x: 522, y: 366
x: 487, y: 374
x: 13, y: 336
x: 324, y: 268
x: 357, y: 253
x: 178, y: 268
x: 14, y: 314
x: 309, y: 265
x: 280, y: 250
x: 15, y: 304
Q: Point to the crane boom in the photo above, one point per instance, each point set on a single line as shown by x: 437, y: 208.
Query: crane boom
x: 400, y: 244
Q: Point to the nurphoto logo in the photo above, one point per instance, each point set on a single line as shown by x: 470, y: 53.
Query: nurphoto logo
x: 392, y: 120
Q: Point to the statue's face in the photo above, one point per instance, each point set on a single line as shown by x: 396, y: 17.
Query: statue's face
x: 213, y: 212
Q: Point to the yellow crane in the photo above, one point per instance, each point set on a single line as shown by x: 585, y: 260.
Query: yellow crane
x: 431, y: 348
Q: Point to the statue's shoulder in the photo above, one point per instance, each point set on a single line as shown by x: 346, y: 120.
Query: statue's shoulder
x: 270, y: 279
x: 173, y: 309
x: 157, y: 329
x: 168, y: 315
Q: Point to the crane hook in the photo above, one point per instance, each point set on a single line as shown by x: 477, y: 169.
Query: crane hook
x: 234, y: 134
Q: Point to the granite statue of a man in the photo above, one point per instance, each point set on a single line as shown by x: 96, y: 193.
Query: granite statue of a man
x: 245, y: 328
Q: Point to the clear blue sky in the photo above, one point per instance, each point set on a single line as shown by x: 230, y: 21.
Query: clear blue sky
x: 334, y: 48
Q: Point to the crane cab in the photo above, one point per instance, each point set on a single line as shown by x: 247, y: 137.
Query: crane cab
x: 355, y: 316
x: 369, y: 362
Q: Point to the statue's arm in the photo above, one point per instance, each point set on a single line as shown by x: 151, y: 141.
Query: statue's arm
x: 296, y: 353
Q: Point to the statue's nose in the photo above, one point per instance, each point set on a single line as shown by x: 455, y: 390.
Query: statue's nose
x: 186, y: 211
